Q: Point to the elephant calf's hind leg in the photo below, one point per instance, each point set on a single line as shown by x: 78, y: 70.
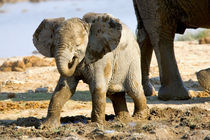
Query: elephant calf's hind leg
x: 120, y: 106
x: 140, y: 106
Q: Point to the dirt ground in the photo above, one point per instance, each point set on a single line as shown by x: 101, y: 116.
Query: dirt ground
x: 24, y: 99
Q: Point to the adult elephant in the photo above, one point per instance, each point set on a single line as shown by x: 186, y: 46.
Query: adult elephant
x: 158, y: 21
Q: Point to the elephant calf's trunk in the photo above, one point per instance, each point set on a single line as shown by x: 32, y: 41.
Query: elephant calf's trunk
x: 65, y: 67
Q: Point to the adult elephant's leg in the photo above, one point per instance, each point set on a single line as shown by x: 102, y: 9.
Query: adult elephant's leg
x: 155, y: 16
x: 146, y: 55
x: 172, y: 86
x: 64, y: 90
x: 119, y: 105
x: 146, y: 51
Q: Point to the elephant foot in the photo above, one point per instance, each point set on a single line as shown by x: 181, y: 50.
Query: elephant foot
x: 123, y: 116
x: 50, y: 123
x: 142, y: 114
x: 98, y: 118
x: 98, y: 121
x: 173, y: 92
x: 149, y: 90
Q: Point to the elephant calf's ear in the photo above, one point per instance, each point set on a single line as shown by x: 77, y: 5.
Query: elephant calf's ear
x: 105, y: 35
x: 43, y: 36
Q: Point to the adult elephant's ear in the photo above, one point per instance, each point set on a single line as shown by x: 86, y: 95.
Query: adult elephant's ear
x: 105, y: 35
x: 44, y: 34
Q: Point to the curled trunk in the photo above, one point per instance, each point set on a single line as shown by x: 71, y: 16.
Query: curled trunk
x: 66, y: 66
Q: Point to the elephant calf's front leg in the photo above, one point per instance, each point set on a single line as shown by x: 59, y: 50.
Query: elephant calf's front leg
x: 60, y: 96
x: 98, y: 105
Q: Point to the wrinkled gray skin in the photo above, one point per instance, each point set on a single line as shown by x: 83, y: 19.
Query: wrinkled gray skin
x: 203, y: 77
x: 102, y: 52
x: 158, y: 21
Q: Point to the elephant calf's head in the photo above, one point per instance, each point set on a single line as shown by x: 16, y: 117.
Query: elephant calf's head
x: 66, y: 40
x: 72, y: 40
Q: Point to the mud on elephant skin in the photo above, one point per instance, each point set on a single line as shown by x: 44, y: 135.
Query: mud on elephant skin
x: 158, y: 21
x: 101, y: 51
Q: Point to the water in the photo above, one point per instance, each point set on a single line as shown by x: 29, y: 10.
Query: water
x: 18, y: 24
x: 109, y: 131
x: 132, y: 124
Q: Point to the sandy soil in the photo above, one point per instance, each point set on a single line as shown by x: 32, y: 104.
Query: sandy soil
x: 167, y: 119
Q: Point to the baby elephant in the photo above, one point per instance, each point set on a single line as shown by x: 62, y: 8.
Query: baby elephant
x: 101, y: 51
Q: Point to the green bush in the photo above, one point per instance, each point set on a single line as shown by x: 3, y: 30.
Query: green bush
x: 194, y: 36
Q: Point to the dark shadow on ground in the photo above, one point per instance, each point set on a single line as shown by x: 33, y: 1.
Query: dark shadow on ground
x: 190, y: 84
x: 36, y: 122
x: 193, y: 85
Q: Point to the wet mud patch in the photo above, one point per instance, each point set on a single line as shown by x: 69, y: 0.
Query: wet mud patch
x: 194, y: 118
x: 160, y: 123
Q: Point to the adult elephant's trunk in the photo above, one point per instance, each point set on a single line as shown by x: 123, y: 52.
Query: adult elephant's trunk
x: 66, y: 64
